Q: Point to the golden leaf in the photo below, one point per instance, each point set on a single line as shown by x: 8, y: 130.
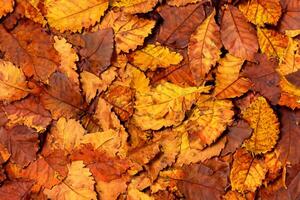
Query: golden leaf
x: 229, y: 83
x: 6, y: 6
x: 292, y: 33
x: 154, y: 56
x: 271, y: 42
x: 92, y: 83
x: 164, y: 105
x: 204, y: 48
x: 13, y: 85
x: 261, y: 12
x: 135, y: 194
x: 78, y: 185
x: 179, y: 3
x: 67, y: 15
x: 135, y: 6
x: 247, y: 173
x: 291, y: 59
x: 130, y: 31
x: 273, y: 165
x: 233, y: 195
x: 66, y: 134
x: 290, y: 94
x: 265, y: 125
x: 207, y: 121
x: 68, y: 58
x: 188, y: 156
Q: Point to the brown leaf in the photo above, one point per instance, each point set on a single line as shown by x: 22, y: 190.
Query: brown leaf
x: 238, y: 36
x: 62, y: 97
x: 16, y: 190
x: 179, y: 24
x: 294, y: 78
x: 97, y: 50
x: 29, y: 112
x: 204, y: 181
x: 265, y: 77
x: 31, y: 48
x: 289, y: 142
x: 291, y: 15
x: 21, y: 142
x: 238, y: 132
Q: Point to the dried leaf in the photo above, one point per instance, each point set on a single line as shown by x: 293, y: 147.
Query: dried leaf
x: 261, y: 12
x: 247, y: 173
x: 179, y: 3
x: 265, y: 125
x: 6, y: 7
x: 135, y: 6
x: 79, y: 184
x: 237, y: 35
x: 204, y: 48
x: 229, y: 83
x: 154, y: 56
x: 64, y: 14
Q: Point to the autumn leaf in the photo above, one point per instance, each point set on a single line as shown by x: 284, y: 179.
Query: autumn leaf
x: 265, y: 125
x: 97, y: 50
x: 237, y: 35
x: 290, y: 16
x: 62, y: 97
x: 16, y: 189
x: 154, y: 56
x: 135, y: 6
x: 79, y: 184
x: 30, y: 9
x: 179, y: 24
x: 204, y: 48
x: 21, y: 142
x: 130, y: 31
x: 291, y: 58
x: 266, y: 79
x: 68, y: 58
x: 13, y: 85
x: 271, y: 42
x: 207, y: 121
x: 261, y: 12
x: 31, y: 48
x: 6, y: 7
x: 91, y: 84
x: 229, y: 83
x: 64, y: 14
x: 29, y: 112
x: 204, y: 180
x: 247, y: 173
x: 164, y: 105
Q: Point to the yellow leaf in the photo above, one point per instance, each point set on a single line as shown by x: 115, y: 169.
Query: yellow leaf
x: 78, y: 185
x: 207, y: 122
x: 291, y: 60
x: 92, y: 83
x: 66, y: 134
x: 229, y: 84
x: 204, y: 48
x: 247, y: 173
x: 179, y: 3
x: 130, y: 30
x: 233, y: 195
x: 273, y: 165
x: 190, y: 155
x: 13, y: 85
x: 73, y: 16
x: 135, y: 194
x: 6, y: 6
x: 154, y: 56
x: 68, y: 57
x: 164, y: 105
x: 261, y: 12
x: 290, y: 94
x: 271, y: 42
x: 135, y: 6
x: 292, y: 33
x: 265, y: 125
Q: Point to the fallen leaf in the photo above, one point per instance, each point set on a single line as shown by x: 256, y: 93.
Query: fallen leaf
x: 238, y: 36
x: 6, y: 7
x: 64, y: 14
x: 204, y: 48
x: 265, y: 125
x: 135, y: 6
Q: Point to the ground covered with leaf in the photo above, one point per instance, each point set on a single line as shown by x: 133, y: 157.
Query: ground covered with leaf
x: 150, y: 99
